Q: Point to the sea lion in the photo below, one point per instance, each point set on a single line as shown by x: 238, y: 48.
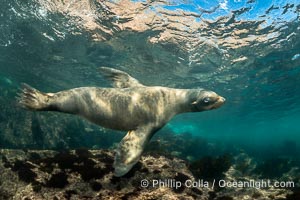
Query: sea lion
x: 129, y: 106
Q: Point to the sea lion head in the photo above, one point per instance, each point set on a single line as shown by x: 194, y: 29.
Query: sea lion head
x: 207, y: 100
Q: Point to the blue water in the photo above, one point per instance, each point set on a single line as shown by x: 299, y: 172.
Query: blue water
x: 246, y: 51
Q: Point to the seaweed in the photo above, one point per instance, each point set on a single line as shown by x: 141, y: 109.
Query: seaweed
x: 131, y: 173
x: 210, y: 168
x: 83, y: 153
x: 273, y: 167
x: 89, y: 171
x: 34, y: 156
x: 82, y: 162
x: 36, y: 186
x: 212, y: 195
x: 95, y: 185
x: 197, y: 191
x: 180, y: 177
x: 295, y: 195
x: 37, y: 133
x: 224, y: 198
x: 24, y: 171
x: 59, y: 180
x: 69, y: 193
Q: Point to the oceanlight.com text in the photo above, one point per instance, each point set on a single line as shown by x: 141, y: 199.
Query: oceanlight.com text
x: 200, y: 183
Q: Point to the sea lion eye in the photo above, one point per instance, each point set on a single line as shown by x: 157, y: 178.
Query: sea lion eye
x: 206, y: 100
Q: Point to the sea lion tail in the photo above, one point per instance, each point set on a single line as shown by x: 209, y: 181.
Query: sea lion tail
x: 31, y: 98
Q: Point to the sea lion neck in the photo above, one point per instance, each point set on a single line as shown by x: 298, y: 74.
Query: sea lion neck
x: 185, y: 98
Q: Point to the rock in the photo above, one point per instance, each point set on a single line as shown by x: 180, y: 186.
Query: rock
x: 88, y: 174
x: 80, y: 174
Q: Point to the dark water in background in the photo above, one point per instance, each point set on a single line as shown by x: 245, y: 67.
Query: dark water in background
x: 247, y: 51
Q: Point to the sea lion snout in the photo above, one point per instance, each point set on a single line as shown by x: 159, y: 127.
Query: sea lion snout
x: 220, y: 101
x: 208, y: 100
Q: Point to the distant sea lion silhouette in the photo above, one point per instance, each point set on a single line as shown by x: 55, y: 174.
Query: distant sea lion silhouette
x: 129, y: 106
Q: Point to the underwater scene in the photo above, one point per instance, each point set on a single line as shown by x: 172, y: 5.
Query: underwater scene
x: 143, y: 99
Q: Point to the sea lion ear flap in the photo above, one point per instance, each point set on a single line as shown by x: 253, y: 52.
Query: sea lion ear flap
x: 119, y: 78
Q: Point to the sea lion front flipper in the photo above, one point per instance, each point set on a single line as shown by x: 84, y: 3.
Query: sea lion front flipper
x: 120, y: 79
x: 130, y: 150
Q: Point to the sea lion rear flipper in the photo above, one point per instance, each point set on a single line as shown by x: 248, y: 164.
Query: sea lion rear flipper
x: 130, y: 150
x: 32, y: 99
x: 120, y: 79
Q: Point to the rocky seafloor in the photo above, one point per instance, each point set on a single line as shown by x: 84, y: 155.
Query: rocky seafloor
x: 88, y: 174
